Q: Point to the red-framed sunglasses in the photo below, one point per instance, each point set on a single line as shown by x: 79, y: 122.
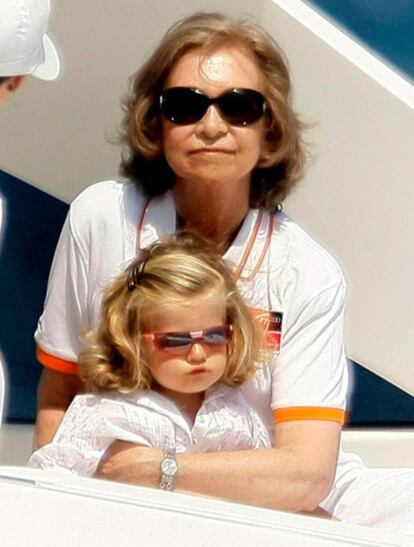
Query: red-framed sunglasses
x: 214, y: 337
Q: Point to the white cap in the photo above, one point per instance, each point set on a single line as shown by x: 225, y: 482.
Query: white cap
x: 24, y: 46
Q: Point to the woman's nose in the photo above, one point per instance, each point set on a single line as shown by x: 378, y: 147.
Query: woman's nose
x: 197, y: 353
x: 212, y: 125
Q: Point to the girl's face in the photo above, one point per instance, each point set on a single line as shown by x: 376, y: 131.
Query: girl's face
x: 182, y: 374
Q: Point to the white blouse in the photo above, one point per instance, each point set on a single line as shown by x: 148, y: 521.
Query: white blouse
x: 93, y: 422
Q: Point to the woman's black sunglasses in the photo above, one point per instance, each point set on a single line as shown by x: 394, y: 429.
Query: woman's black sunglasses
x: 187, y: 105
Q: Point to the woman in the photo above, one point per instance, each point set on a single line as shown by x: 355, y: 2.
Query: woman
x: 214, y: 145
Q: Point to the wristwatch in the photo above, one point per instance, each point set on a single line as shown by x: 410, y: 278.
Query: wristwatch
x: 169, y: 469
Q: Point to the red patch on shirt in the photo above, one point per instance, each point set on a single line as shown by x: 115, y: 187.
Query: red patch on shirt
x: 270, y: 323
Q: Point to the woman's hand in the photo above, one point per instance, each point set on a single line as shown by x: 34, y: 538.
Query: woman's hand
x: 127, y: 462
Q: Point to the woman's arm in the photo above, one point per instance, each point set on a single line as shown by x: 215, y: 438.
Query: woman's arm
x: 295, y: 476
x: 58, y: 334
x: 55, y: 393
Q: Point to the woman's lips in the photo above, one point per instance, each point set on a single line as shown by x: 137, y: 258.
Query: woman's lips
x: 207, y: 151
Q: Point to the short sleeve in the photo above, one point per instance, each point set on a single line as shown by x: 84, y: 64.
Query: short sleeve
x: 78, y: 444
x: 65, y: 317
x: 90, y: 425
x: 310, y: 377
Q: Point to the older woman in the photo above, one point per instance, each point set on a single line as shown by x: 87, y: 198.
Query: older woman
x: 212, y: 143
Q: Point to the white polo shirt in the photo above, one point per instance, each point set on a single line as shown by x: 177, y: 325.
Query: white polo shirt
x: 297, y: 278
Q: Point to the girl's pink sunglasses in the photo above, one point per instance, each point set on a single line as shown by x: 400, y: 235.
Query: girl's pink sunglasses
x: 181, y: 341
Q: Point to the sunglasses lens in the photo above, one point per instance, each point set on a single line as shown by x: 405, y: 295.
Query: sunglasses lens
x: 183, y: 105
x: 217, y: 336
x: 173, y: 340
x: 181, y: 341
x: 242, y: 106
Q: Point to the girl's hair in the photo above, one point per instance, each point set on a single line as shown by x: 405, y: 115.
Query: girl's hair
x: 166, y: 275
x: 143, y: 159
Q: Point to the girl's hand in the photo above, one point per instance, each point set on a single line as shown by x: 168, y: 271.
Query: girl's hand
x: 128, y: 462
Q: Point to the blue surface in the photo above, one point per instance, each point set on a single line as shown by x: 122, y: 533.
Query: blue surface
x: 33, y: 223
x: 386, y: 27
x: 377, y: 403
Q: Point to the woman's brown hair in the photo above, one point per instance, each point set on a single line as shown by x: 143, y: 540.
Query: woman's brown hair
x: 143, y: 159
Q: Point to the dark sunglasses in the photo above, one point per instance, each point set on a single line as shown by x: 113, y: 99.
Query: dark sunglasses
x: 214, y: 337
x: 187, y: 105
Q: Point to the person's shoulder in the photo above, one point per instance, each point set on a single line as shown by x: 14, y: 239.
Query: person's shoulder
x: 106, y: 402
x: 303, y: 254
x: 102, y: 206
x: 84, y: 402
x: 105, y: 194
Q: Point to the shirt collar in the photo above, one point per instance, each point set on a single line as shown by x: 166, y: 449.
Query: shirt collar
x: 159, y: 219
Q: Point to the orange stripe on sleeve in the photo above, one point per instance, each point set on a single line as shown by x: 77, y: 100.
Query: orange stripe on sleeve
x: 56, y: 363
x: 309, y: 413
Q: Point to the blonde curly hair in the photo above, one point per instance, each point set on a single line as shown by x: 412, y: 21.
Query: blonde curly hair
x: 168, y: 273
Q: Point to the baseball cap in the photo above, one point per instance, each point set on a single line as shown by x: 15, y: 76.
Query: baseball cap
x: 25, y: 47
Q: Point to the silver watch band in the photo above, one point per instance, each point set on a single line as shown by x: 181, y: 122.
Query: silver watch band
x: 169, y: 470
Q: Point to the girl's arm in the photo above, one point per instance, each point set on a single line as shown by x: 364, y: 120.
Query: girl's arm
x: 295, y: 476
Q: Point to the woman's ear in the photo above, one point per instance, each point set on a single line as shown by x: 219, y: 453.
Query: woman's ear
x: 265, y: 158
x: 14, y: 83
x: 9, y: 86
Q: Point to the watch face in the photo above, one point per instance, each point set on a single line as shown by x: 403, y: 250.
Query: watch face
x: 169, y: 467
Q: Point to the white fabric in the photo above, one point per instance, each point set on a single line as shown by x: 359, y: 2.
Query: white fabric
x: 383, y: 498
x: 297, y: 277
x: 224, y: 422
x: 25, y: 47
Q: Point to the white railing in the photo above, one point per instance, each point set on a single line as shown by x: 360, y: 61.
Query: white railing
x: 42, y: 509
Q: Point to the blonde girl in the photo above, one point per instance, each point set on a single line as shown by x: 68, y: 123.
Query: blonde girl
x: 174, y: 341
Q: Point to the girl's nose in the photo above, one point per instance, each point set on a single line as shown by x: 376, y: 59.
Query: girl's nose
x: 197, y: 353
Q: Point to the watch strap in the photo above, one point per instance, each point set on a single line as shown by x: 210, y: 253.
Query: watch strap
x: 169, y: 470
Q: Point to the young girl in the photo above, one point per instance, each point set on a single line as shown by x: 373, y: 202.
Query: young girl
x: 175, y: 339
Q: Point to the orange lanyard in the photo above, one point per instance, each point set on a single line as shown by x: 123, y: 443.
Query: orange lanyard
x: 141, y: 225
x: 239, y: 270
x: 249, y: 247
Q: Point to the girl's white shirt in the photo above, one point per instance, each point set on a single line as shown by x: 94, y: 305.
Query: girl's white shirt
x: 93, y: 422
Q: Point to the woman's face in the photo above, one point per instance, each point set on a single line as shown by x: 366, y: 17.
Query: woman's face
x: 212, y: 150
